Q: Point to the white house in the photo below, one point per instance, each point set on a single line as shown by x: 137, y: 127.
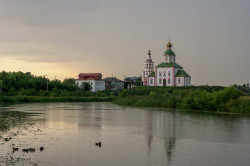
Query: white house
x: 94, y: 79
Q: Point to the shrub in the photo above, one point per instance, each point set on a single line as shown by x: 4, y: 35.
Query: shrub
x: 124, y: 93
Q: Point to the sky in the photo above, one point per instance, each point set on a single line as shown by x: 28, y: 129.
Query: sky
x: 62, y: 38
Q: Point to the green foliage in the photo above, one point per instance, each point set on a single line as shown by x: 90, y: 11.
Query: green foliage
x: 124, y: 93
x: 15, y: 99
x: 138, y: 82
x: 99, y: 93
x: 226, y: 100
x: 86, y: 86
x: 108, y: 93
x: 244, y: 88
x: 12, y: 92
x: 26, y: 84
x: 152, y: 93
x: 240, y: 105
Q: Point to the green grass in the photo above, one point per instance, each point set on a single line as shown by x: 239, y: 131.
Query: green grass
x: 25, y: 99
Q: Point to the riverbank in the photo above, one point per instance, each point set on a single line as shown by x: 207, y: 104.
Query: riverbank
x: 229, y: 99
x: 27, y: 99
x: 10, y: 119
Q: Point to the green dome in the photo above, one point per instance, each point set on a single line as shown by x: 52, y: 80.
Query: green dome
x: 169, y: 52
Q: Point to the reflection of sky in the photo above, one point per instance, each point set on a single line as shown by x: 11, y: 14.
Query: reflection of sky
x: 134, y: 136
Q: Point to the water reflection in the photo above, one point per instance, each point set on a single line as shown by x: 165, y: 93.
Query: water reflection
x: 133, y: 136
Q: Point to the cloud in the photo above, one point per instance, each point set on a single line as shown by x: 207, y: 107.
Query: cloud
x: 45, y: 13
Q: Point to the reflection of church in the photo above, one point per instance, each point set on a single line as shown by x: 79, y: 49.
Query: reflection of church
x: 168, y: 73
x: 163, y: 126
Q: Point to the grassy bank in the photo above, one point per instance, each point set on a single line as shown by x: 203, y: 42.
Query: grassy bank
x: 10, y: 119
x: 16, y: 99
x: 221, y: 99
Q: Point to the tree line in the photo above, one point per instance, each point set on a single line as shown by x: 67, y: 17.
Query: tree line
x: 19, y: 83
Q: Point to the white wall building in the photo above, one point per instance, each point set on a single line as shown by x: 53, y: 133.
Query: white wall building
x: 94, y: 79
x: 168, y: 73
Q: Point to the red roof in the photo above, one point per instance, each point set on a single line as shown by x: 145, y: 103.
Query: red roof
x: 90, y: 74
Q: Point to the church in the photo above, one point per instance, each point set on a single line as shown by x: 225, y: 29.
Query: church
x: 168, y: 73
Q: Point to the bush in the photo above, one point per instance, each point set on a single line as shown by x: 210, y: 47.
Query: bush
x: 124, y: 93
x: 241, y: 105
x: 199, y: 99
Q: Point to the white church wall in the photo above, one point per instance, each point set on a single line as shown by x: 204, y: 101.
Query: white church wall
x: 165, y: 73
x: 187, y: 81
x: 179, y: 81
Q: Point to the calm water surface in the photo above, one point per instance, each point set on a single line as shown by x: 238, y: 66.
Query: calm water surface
x: 129, y: 136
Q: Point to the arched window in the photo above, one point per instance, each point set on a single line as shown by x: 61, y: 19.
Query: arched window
x: 151, y: 81
x: 169, y: 81
x: 179, y: 80
x: 160, y: 81
x: 164, y: 74
x: 166, y: 58
x: 160, y: 74
x: 169, y: 73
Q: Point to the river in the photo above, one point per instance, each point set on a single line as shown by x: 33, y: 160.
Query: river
x: 129, y: 137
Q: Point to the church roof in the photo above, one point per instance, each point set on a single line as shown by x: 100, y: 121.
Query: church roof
x: 182, y: 73
x: 163, y: 64
x: 169, y: 52
x: 152, y: 74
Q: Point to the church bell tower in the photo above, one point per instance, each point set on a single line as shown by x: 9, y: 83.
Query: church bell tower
x: 149, y: 68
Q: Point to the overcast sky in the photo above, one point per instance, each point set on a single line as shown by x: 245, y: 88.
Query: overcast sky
x: 62, y: 38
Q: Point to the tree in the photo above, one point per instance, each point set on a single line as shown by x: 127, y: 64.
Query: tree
x: 138, y: 82
x: 124, y: 93
x: 69, y: 81
x: 86, y: 86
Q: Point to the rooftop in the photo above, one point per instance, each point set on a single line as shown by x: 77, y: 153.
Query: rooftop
x: 163, y: 64
x: 182, y: 73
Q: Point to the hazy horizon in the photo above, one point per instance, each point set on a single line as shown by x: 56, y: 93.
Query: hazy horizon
x: 64, y: 38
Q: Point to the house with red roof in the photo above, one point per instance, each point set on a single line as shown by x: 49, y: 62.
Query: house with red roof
x: 94, y: 79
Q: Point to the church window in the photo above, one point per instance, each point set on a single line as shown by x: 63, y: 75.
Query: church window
x: 164, y: 74
x: 160, y: 81
x: 179, y: 80
x: 160, y: 74
x: 169, y: 73
x: 151, y: 81
x: 166, y: 58
x: 169, y: 81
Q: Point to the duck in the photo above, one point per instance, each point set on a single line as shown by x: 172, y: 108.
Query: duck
x: 98, y: 144
x: 32, y: 149
x: 25, y: 150
x: 14, y: 149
